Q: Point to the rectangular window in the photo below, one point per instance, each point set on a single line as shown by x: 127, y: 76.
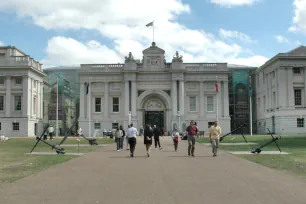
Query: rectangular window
x: 0, y: 126
x: 273, y: 74
x: 115, y: 125
x: 34, y: 105
x: 116, y: 104
x: 1, y: 103
x: 296, y: 70
x: 97, y: 104
x: 210, y: 85
x: 192, y: 103
x: 17, y: 103
x: 300, y: 122
x: 15, y: 126
x: 97, y: 126
x: 264, y: 101
x: 298, y: 97
x: 210, y: 103
x: 1, y: 80
x: 18, y: 80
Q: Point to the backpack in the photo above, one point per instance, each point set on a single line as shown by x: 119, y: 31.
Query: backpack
x: 123, y: 133
x: 192, y: 130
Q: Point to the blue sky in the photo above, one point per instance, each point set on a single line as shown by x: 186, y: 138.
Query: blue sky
x: 94, y: 31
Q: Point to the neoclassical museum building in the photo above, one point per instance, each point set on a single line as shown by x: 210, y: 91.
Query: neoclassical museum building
x: 153, y: 91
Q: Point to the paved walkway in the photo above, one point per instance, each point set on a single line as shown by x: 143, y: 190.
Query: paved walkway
x: 167, y: 177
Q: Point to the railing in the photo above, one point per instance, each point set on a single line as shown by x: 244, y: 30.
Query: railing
x: 102, y: 66
x: 205, y: 66
x: 21, y: 61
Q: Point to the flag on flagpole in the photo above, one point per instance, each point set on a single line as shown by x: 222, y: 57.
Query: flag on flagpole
x: 54, y: 85
x: 150, y: 24
x: 217, y: 87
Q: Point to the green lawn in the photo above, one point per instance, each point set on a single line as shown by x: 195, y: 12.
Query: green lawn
x: 14, y: 164
x: 294, y: 163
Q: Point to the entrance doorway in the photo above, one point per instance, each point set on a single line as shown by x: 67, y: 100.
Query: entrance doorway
x: 154, y: 118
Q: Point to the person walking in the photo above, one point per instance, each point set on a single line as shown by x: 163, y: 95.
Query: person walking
x: 148, y: 134
x: 122, y: 138
x: 156, y: 133
x: 175, y: 137
x: 132, y: 134
x: 127, y: 138
x: 118, y: 138
x: 51, y: 130
x: 191, y: 132
x: 214, y: 137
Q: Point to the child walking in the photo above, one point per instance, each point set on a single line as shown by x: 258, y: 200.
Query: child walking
x: 175, y: 137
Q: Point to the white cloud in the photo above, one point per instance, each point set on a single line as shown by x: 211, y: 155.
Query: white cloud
x: 67, y: 51
x: 281, y: 39
x: 299, y: 19
x: 233, y: 3
x: 255, y: 61
x: 228, y: 34
x: 123, y: 22
x: 1, y: 43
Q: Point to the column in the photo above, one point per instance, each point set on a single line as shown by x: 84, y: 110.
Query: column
x: 290, y: 90
x: 38, y: 99
x: 225, y: 97
x: 276, y: 88
x: 282, y: 87
x: 126, y: 98
x: 42, y: 100
x: 270, y: 90
x: 89, y: 112
x: 25, y: 89
x: 174, y: 99
x: 31, y: 97
x: 182, y: 98
x: 201, y: 99
x: 82, y: 99
x: 134, y: 98
x: 8, y: 96
x: 304, y: 86
x: 106, y: 99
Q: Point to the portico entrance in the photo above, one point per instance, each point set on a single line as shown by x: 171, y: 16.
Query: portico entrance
x: 154, y: 118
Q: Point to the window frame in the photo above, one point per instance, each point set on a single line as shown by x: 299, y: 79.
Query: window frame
x: 195, y: 103
x: 115, y: 105
x: 300, y: 97
x: 213, y: 104
x: 98, y: 105
x: 17, y: 127
x: 300, y: 123
x: 15, y: 104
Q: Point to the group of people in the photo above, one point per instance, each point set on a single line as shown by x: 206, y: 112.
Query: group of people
x: 154, y: 133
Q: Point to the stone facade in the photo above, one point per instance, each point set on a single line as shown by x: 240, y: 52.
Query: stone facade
x: 179, y: 91
x: 21, y: 93
x: 281, y: 93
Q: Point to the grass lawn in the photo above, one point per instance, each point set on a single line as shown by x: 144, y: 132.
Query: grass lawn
x: 294, y: 163
x: 14, y: 164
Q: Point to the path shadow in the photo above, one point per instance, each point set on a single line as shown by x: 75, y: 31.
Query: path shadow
x: 121, y: 157
x: 189, y: 156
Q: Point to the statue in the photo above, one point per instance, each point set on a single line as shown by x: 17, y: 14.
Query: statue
x: 130, y: 57
x: 177, y: 57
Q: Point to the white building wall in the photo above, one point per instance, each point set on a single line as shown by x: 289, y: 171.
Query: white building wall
x: 16, y: 65
x: 279, y: 78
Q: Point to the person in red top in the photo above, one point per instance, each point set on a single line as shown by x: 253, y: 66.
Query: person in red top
x: 191, y: 132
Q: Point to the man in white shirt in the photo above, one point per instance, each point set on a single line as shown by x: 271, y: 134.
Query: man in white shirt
x: 51, y: 130
x: 131, y: 135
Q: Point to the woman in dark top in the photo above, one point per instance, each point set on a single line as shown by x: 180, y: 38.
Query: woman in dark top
x: 148, y: 134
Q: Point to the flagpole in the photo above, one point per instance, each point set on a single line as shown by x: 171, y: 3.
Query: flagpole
x: 89, y: 105
x: 57, y: 107
x: 153, y: 31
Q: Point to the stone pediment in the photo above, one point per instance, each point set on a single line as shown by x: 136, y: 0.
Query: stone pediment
x: 299, y: 51
x: 153, y: 49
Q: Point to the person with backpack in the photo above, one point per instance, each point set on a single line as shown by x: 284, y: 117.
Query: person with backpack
x: 147, y: 139
x: 175, y: 137
x: 123, y: 137
x: 191, y: 132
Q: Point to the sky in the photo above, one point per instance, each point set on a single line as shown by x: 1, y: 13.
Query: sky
x: 74, y: 32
